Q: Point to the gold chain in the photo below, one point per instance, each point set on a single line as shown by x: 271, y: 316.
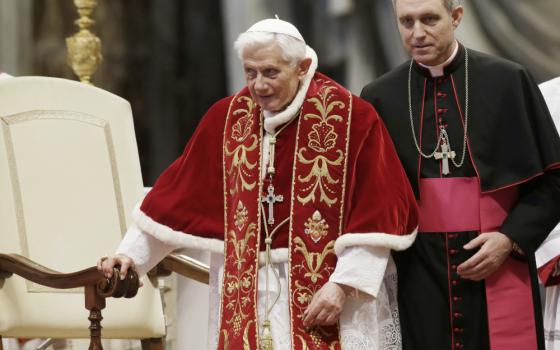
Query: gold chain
x: 443, y: 137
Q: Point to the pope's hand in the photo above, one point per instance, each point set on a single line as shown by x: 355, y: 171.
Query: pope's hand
x: 325, y: 307
x: 495, y: 247
x: 106, y: 265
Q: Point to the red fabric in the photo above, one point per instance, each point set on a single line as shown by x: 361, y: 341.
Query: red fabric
x: 466, y: 213
x: 319, y: 179
x: 358, y: 187
x: 379, y: 197
x: 242, y: 197
x: 440, y: 203
x: 188, y: 196
x: 511, y: 323
x: 549, y: 273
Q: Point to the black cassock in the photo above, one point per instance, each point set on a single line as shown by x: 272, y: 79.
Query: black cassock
x: 512, y: 143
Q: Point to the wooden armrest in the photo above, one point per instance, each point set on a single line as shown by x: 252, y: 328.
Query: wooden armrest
x: 183, y: 265
x: 96, y: 286
x: 36, y: 273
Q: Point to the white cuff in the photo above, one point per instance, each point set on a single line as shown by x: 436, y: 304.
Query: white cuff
x: 375, y: 239
x: 362, y: 268
x: 145, y: 250
x: 549, y: 249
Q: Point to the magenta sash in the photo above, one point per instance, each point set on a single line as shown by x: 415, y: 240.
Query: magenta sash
x: 455, y: 205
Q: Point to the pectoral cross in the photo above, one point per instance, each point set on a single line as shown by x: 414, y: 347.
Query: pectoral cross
x: 444, y: 155
x: 271, y: 199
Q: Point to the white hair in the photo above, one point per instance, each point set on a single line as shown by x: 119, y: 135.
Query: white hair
x: 293, y: 50
x: 450, y: 5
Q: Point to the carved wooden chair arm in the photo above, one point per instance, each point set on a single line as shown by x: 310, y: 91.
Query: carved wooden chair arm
x: 36, y: 273
x: 184, y: 266
x: 96, y: 286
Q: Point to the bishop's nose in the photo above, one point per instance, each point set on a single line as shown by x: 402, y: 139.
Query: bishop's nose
x: 260, y: 84
x: 418, y: 31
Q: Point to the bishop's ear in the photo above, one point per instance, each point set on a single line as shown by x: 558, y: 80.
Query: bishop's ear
x: 303, y: 67
x: 457, y: 15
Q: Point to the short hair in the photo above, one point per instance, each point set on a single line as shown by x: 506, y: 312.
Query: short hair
x: 293, y: 50
x: 449, y: 4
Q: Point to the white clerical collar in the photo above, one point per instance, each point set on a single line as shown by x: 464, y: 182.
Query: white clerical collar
x: 271, y: 119
x: 437, y: 71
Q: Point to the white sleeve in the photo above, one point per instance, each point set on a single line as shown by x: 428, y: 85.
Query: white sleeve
x: 549, y: 249
x: 362, y: 268
x: 144, y: 249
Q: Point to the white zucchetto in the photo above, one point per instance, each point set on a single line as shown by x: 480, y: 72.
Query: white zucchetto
x: 276, y: 26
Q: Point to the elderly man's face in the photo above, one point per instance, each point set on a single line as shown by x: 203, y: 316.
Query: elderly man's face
x: 272, y: 81
x: 427, y: 29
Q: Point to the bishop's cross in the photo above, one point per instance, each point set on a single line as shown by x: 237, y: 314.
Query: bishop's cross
x: 271, y: 199
x: 444, y: 155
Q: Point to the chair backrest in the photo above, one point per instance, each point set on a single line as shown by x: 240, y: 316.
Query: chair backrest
x: 69, y: 178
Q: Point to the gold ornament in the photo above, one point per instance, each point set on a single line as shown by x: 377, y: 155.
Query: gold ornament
x: 316, y: 227
x: 84, y: 47
x: 266, y: 339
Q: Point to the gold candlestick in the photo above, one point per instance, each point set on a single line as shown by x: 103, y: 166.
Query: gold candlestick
x: 84, y: 47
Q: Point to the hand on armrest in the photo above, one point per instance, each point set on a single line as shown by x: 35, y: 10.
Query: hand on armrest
x: 106, y: 265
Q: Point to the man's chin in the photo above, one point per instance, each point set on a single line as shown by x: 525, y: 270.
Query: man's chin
x: 271, y: 107
x: 264, y: 102
x: 425, y: 59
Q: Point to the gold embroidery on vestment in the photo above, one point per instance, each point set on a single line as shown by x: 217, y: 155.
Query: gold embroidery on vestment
x: 237, y: 286
x: 325, y: 106
x: 316, y: 335
x: 241, y: 167
x: 241, y: 216
x: 322, y: 138
x: 321, y: 177
x: 316, y: 227
x: 246, y: 345
x: 240, y: 162
x: 313, y: 261
x: 226, y: 339
x: 242, y: 127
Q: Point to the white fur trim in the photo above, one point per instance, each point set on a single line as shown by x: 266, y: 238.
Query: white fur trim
x: 271, y: 122
x: 176, y: 238
x: 376, y: 239
x: 185, y: 240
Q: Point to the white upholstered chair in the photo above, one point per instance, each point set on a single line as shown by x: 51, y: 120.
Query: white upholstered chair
x: 69, y: 177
